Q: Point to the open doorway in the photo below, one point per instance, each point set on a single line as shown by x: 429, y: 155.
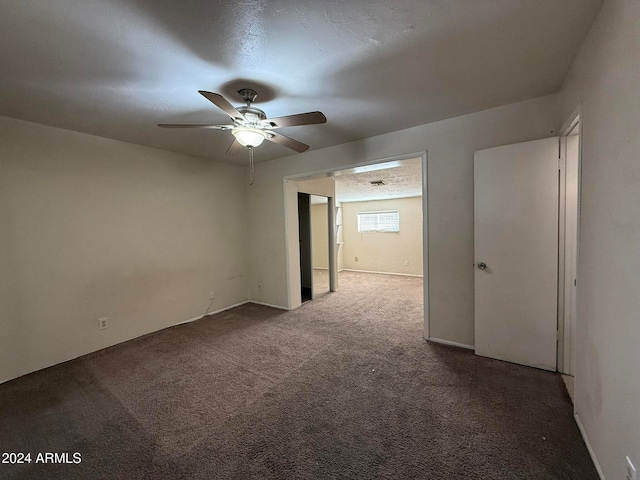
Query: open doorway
x: 313, y: 234
x: 305, y: 236
x: 391, y: 259
x: 320, y: 244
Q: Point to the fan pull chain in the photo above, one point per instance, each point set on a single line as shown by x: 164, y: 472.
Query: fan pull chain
x: 250, y: 165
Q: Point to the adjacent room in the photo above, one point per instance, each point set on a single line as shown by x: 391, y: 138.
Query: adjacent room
x: 377, y: 223
x: 318, y: 240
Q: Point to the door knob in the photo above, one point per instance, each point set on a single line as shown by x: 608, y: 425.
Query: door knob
x: 482, y: 265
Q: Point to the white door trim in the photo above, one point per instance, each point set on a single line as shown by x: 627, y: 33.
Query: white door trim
x: 567, y: 332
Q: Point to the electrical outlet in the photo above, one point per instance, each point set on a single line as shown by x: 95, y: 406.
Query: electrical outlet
x: 212, y: 295
x: 632, y: 473
x: 406, y: 263
x: 103, y: 323
x: 259, y: 287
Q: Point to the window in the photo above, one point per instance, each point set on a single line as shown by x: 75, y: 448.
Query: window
x: 379, y: 221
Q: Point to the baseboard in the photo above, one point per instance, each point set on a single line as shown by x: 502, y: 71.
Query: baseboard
x: 588, y: 444
x: 382, y: 273
x: 229, y: 308
x: 268, y: 305
x: 209, y: 313
x: 124, y: 341
x: 453, y: 344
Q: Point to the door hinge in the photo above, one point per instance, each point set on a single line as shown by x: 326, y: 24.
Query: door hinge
x: 558, y: 335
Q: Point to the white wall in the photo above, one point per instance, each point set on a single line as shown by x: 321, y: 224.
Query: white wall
x: 325, y: 187
x: 450, y: 144
x: 382, y: 251
x: 320, y: 235
x: 91, y: 228
x: 605, y: 77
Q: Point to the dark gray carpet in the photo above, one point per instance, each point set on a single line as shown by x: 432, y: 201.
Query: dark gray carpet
x: 342, y: 388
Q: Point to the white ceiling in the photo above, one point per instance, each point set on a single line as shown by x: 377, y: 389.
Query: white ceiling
x: 117, y: 68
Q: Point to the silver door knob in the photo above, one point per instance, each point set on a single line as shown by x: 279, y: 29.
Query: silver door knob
x: 482, y: 265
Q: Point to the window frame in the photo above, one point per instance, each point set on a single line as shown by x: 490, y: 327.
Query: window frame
x: 393, y: 229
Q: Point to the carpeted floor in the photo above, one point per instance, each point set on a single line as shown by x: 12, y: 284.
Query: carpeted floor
x: 342, y: 388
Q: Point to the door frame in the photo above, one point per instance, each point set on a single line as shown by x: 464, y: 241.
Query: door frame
x: 291, y: 227
x: 331, y: 246
x: 567, y: 332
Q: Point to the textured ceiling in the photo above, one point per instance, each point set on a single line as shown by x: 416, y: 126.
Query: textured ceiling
x: 401, y: 179
x: 117, y: 68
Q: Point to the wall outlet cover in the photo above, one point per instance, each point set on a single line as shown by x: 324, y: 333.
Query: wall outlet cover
x: 103, y: 323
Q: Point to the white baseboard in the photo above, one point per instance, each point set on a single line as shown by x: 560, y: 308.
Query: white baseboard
x: 382, y: 273
x: 588, y: 444
x: 453, y: 344
x: 143, y: 334
x: 227, y: 308
x: 124, y: 341
x: 268, y: 305
x: 209, y: 313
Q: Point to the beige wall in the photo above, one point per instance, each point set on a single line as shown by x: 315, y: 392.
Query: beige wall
x: 93, y: 228
x: 605, y: 78
x: 325, y: 187
x: 384, y: 252
x: 450, y: 145
x: 320, y: 235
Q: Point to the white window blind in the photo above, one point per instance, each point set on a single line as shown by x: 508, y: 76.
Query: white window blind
x: 388, y: 221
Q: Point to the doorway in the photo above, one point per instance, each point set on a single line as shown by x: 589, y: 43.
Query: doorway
x: 304, y: 236
x: 320, y: 244
x: 569, y: 225
x: 314, y: 239
x: 301, y: 183
x: 527, y: 209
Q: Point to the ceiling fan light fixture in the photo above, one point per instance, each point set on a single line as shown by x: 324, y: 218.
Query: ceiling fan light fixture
x: 248, y: 136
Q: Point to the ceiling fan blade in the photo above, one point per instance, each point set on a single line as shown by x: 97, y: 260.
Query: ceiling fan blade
x: 287, y: 142
x: 309, y: 118
x: 195, y: 125
x: 222, y: 103
x: 234, y: 148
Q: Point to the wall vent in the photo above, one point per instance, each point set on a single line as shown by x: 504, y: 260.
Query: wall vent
x: 377, y: 183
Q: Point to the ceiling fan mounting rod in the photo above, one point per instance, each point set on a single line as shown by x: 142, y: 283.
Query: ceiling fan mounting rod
x: 248, y: 95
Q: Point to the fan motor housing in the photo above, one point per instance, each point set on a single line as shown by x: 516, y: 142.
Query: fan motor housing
x: 253, y: 114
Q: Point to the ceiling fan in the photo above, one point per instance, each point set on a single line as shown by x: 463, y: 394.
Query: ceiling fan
x: 250, y: 125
